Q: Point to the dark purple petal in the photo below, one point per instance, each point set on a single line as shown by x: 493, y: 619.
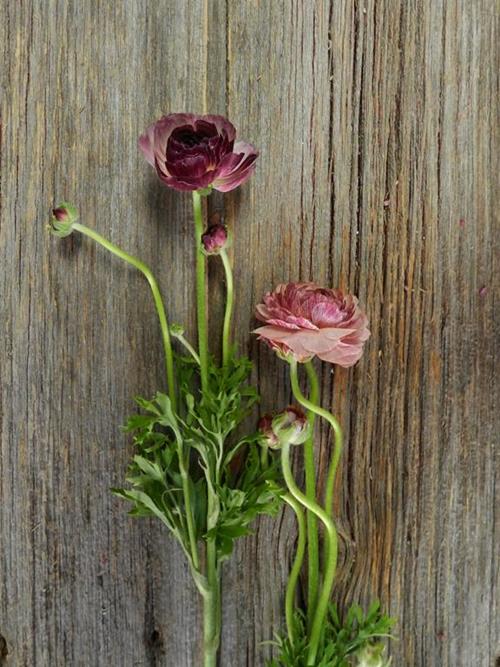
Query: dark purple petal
x: 223, y: 125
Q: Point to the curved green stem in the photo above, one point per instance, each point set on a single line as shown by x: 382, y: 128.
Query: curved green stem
x: 296, y: 567
x: 330, y: 565
x: 337, y: 450
x: 160, y: 308
x: 201, y: 292
x: 187, y: 345
x: 312, y: 523
x: 226, y: 330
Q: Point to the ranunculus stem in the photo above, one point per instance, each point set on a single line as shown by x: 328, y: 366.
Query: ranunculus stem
x: 212, y: 614
x: 312, y: 406
x: 187, y: 345
x: 160, y: 308
x: 312, y: 523
x: 226, y: 330
x: 193, y: 547
x: 296, y: 567
x: 332, y: 470
x: 201, y: 292
x: 330, y: 565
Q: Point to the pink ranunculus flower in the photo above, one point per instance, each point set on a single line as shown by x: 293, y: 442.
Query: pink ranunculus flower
x: 305, y: 320
x: 191, y: 152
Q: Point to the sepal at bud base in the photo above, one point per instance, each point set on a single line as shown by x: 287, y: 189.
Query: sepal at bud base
x: 176, y: 330
x: 372, y: 655
x: 64, y: 216
x: 204, y: 192
x: 291, y: 426
x: 267, y: 437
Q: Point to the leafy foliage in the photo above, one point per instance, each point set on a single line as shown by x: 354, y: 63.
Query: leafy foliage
x: 342, y: 639
x: 199, y: 449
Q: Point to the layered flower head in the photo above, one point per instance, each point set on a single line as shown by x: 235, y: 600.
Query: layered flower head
x: 191, y: 152
x: 305, y: 320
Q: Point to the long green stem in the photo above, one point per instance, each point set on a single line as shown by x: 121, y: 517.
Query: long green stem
x: 226, y: 330
x: 212, y: 615
x: 296, y: 567
x: 201, y: 292
x: 312, y: 523
x: 188, y: 346
x: 330, y: 565
x: 189, y: 510
x: 337, y: 450
x: 160, y: 308
x: 211, y: 608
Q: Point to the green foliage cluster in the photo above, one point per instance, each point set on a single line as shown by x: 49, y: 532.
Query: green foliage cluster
x: 342, y: 640
x: 200, y: 448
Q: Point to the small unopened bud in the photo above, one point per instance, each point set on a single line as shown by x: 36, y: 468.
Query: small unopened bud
x: 176, y: 330
x: 372, y: 655
x: 291, y: 426
x: 267, y: 436
x: 63, y: 218
x: 214, y: 239
x: 287, y: 427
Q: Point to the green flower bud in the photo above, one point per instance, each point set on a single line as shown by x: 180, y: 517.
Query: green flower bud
x: 372, y: 655
x: 291, y: 426
x: 287, y: 427
x: 63, y: 218
x: 176, y: 330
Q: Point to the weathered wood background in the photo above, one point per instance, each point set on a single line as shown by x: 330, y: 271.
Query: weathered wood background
x: 376, y: 121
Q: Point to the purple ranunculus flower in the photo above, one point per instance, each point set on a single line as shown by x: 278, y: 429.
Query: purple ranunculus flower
x: 191, y: 152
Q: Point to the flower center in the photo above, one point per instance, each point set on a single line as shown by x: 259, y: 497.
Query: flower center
x: 187, y: 137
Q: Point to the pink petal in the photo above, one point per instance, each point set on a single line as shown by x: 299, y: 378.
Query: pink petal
x: 236, y: 167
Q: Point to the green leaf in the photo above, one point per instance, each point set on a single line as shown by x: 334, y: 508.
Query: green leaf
x: 151, y: 469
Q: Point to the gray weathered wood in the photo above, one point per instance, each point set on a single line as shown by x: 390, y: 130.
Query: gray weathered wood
x: 377, y: 123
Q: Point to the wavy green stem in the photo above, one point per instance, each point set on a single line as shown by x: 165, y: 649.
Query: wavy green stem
x: 331, y: 546
x: 312, y: 406
x: 201, y: 305
x: 312, y: 523
x: 187, y: 345
x: 296, y: 567
x: 226, y: 330
x: 330, y: 565
x: 160, y: 308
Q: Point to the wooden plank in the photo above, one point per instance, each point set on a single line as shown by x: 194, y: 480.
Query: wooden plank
x: 377, y: 125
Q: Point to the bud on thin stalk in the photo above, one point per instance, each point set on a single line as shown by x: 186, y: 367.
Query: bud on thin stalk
x: 287, y: 427
x: 64, y: 216
x: 214, y: 239
x: 372, y: 655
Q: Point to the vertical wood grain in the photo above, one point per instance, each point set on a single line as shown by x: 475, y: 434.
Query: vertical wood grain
x: 377, y: 123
